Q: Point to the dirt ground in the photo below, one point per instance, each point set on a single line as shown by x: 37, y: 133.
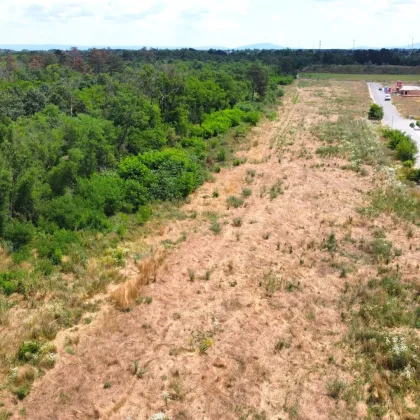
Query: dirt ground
x: 244, y: 323
x: 407, y: 106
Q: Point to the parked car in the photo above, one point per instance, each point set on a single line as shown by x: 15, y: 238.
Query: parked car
x: 387, y: 97
x: 381, y: 88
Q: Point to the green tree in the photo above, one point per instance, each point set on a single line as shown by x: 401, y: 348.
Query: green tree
x: 259, y: 80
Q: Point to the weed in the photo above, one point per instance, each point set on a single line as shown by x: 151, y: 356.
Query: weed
x: 266, y: 235
x: 191, y: 275
x: 234, y: 202
x: 276, y: 189
x: 336, y: 388
x: 148, y: 300
x: 107, y: 385
x: 328, y: 151
x: 177, y: 389
x: 292, y: 286
x: 246, y: 192
x: 330, y: 244
x: 207, y: 275
x: 215, y: 193
x: 272, y: 283
x: 237, y: 222
x: 280, y: 345
x: 215, y: 227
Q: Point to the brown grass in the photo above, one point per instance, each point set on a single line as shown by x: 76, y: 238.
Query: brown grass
x: 263, y: 335
x: 408, y: 107
x: 124, y: 295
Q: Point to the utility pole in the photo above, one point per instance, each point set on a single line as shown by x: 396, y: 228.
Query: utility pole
x: 412, y: 43
x: 320, y: 44
x: 354, y: 43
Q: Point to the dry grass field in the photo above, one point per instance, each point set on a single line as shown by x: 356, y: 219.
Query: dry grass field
x: 407, y: 106
x: 288, y: 291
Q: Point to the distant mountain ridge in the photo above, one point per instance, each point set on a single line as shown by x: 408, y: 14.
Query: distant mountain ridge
x: 262, y: 46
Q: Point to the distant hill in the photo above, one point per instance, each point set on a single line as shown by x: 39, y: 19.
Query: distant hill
x: 408, y: 47
x: 404, y: 47
x: 263, y: 46
x: 36, y: 47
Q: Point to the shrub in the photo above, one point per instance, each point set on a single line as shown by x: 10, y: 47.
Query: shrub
x: 103, y: 191
x: 406, y: 150
x: 414, y: 175
x: 173, y: 174
x: 73, y: 213
x: 376, y: 112
x: 12, y: 282
x: 19, y: 233
x: 144, y: 214
x: 28, y: 350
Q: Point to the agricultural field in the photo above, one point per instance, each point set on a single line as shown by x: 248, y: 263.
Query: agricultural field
x: 366, y: 77
x: 286, y: 286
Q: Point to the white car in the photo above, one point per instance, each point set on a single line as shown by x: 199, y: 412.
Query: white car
x: 387, y: 97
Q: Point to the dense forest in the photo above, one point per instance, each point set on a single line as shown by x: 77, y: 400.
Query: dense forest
x: 86, y: 136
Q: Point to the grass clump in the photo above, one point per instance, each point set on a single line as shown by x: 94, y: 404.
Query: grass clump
x: 234, y: 201
x: 215, y: 227
x: 328, y: 151
x: 336, y: 388
x: 330, y: 243
x: 237, y: 222
x: 276, y: 189
x: 246, y: 192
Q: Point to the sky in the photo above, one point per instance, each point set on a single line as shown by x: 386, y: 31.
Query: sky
x: 201, y: 23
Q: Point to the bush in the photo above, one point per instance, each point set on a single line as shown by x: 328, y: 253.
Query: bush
x: 144, y: 213
x: 406, y: 150
x: 19, y: 233
x: 73, y: 213
x: 54, y: 246
x: 173, y: 174
x: 103, y: 191
x: 405, y: 147
x: 12, y: 282
x: 376, y: 112
x: 414, y: 175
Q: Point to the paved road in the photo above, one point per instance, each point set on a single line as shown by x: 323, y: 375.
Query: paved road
x: 392, y: 118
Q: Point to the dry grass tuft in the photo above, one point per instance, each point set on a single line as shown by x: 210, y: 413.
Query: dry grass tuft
x: 124, y: 295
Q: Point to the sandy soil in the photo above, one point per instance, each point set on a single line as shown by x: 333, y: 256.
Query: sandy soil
x: 267, y: 318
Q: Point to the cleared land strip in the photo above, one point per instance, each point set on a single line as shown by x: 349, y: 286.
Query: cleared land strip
x: 249, y: 316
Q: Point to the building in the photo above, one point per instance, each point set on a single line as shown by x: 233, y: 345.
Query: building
x: 408, y: 91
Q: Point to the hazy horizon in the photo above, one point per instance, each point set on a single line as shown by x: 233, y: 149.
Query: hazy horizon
x: 198, y: 24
